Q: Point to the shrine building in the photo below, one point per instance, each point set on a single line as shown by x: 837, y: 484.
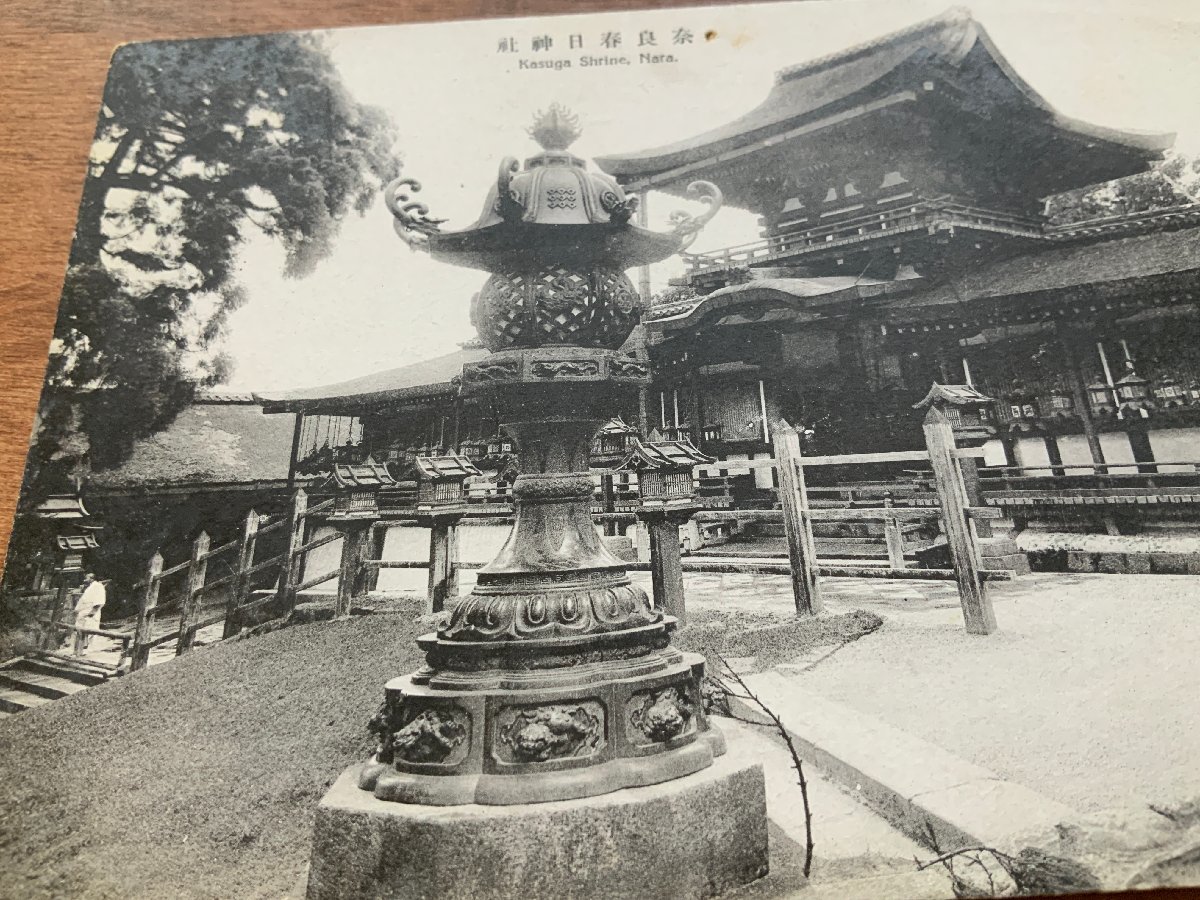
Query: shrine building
x: 901, y: 190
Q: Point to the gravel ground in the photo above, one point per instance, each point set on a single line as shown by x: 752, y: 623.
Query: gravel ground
x: 197, y: 778
x: 1089, y: 693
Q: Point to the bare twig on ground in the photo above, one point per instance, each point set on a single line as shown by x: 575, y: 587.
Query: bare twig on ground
x: 1032, y: 872
x: 797, y: 764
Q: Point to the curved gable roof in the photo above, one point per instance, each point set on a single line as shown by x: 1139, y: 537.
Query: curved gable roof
x: 860, y: 75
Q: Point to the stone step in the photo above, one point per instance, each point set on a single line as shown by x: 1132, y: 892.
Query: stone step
x: 49, y: 687
x: 912, y: 784
x: 66, y: 668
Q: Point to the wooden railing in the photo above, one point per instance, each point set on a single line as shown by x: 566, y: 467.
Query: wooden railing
x: 285, y: 566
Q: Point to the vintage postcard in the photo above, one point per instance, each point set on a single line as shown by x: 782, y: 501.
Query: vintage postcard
x: 731, y: 450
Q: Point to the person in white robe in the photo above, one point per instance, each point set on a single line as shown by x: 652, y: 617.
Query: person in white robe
x: 88, y: 608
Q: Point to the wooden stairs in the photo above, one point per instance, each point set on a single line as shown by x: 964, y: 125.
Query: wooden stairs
x: 43, y: 677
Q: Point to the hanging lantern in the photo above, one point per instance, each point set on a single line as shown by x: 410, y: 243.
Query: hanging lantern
x: 1100, y: 396
x: 1133, y: 393
x: 1170, y: 393
x: 1061, y: 401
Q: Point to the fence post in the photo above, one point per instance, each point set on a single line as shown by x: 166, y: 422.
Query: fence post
x: 241, y: 583
x: 666, y: 568
x: 292, y: 558
x: 147, y: 609
x: 802, y: 551
x: 196, y: 574
x: 440, y: 566
x: 62, y: 603
x: 352, y: 575
x: 947, y: 477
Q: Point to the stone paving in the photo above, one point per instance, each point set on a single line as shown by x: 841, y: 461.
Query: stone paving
x: 1088, y: 694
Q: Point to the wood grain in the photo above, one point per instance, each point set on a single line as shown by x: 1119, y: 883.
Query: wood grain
x: 53, y: 62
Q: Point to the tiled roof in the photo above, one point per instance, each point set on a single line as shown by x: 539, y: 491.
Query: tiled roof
x: 1056, y: 268
x: 860, y: 74
x: 427, y: 378
x: 208, y: 442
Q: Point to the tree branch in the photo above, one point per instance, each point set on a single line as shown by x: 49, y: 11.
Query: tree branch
x: 797, y: 764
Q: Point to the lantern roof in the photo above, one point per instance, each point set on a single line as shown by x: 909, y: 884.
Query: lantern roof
x: 77, y: 542
x: 953, y: 394
x: 553, y: 208
x: 368, y: 474
x: 617, y: 425
x: 441, y: 468
x: 1132, y: 377
x: 663, y: 456
x: 60, y: 506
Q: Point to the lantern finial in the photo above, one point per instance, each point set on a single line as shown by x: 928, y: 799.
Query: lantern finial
x: 556, y: 128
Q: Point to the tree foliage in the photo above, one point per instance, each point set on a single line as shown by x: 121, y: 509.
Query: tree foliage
x: 1173, y: 182
x: 199, y: 145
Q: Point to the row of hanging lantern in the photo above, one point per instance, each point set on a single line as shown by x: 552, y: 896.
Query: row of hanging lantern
x: 1129, y: 395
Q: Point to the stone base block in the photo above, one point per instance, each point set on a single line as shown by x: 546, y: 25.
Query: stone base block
x: 693, y: 837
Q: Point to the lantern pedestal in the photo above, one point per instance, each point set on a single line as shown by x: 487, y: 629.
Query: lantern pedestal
x: 691, y: 837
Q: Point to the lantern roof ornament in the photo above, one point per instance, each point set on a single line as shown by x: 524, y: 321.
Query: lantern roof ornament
x: 551, y: 208
x: 953, y: 394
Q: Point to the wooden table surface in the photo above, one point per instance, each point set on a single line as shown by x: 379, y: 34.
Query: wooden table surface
x: 53, y: 61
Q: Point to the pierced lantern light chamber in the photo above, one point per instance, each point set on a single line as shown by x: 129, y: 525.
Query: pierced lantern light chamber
x: 443, y: 482
x: 664, y: 470
x: 356, y: 489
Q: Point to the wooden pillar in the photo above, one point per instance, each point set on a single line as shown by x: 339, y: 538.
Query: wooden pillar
x: 1083, y: 408
x: 190, y: 611
x: 297, y: 429
x: 643, y: 413
x: 1053, y: 454
x: 289, y: 570
x: 377, y: 540
x: 893, y: 536
x: 241, y: 583
x: 969, y: 467
x: 666, y: 568
x: 801, y: 549
x: 610, y: 503
x: 947, y: 475
x: 1143, y: 452
x: 62, y: 606
x: 147, y: 609
x: 441, y: 563
x: 356, y: 544
x: 643, y: 218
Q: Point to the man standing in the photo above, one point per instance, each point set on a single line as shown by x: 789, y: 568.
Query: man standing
x: 87, y: 610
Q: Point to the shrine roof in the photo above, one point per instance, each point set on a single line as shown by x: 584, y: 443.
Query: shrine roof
x: 209, y: 442
x: 881, y: 73
x: 791, y: 291
x: 1058, y: 268
x: 418, y: 380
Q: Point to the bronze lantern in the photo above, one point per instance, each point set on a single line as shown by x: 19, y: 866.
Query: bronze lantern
x: 443, y: 483
x: 356, y: 489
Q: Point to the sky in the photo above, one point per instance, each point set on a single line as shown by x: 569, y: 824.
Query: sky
x: 461, y: 105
